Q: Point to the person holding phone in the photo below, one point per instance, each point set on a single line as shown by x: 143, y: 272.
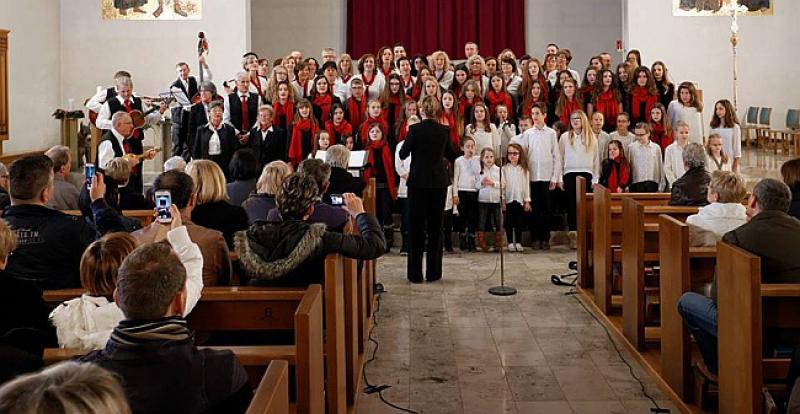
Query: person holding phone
x: 291, y: 251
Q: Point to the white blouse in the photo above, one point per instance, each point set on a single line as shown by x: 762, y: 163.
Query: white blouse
x: 731, y: 140
x: 578, y: 158
x: 517, y: 183
x: 673, y: 162
x: 485, y: 139
x: 489, y: 193
x: 678, y: 112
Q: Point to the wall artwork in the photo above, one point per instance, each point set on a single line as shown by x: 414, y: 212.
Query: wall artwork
x: 151, y: 9
x: 721, y: 7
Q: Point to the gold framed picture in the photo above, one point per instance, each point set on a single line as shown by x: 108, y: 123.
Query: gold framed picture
x: 705, y: 8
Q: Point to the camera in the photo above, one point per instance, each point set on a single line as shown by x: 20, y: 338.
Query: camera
x: 337, y: 199
x: 163, y: 203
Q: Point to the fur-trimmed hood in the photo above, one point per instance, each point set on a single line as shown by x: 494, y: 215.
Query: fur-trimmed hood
x: 271, y: 250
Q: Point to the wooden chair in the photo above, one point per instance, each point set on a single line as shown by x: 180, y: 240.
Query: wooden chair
x: 787, y: 136
x: 272, y: 394
x: 750, y: 123
x: 144, y: 216
x: 746, y: 306
x: 681, y: 267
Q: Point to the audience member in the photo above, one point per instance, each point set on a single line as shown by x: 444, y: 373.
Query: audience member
x: 49, y: 242
x: 216, y: 262
x: 691, y: 188
x: 790, y: 171
x: 341, y: 181
x: 118, y: 196
x: 244, y: 173
x: 152, y: 349
x: 292, y: 252
x: 724, y: 213
x: 213, y: 209
x: 65, y: 196
x: 175, y: 163
x: 334, y: 217
x: 68, y: 387
x: 263, y: 200
x: 86, y: 322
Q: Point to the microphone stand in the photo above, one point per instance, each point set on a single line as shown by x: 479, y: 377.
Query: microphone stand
x: 502, y: 290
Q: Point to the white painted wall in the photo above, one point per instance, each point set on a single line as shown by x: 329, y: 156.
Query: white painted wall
x: 280, y: 26
x: 34, y: 72
x: 698, y: 49
x: 586, y: 28
x: 93, y: 49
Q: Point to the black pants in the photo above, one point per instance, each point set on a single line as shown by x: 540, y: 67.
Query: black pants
x: 644, y: 187
x: 468, y: 210
x: 427, y: 211
x: 447, y: 229
x: 405, y: 216
x: 383, y: 204
x: 514, y: 222
x: 489, y: 212
x: 178, y: 131
x: 570, y: 181
x: 542, y: 210
x: 137, y: 147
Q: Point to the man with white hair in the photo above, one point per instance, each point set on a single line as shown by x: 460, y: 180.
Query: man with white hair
x: 341, y: 181
x: 241, y: 107
x: 176, y: 163
x: 65, y: 196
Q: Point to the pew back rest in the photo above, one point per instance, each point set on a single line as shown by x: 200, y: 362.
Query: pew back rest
x: 272, y: 394
x: 144, y: 216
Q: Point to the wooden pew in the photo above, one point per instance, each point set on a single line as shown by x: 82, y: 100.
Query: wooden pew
x: 272, y: 394
x: 640, y: 245
x: 144, y: 216
x: 745, y: 307
x: 586, y: 223
x: 681, y: 267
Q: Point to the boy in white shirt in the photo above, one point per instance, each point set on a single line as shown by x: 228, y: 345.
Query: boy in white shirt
x: 622, y: 134
x: 647, y: 174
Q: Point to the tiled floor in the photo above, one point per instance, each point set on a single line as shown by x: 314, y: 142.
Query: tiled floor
x: 450, y: 347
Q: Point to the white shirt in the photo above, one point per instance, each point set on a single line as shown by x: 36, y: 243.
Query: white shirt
x: 86, y: 322
x: 507, y: 131
x: 214, y: 146
x: 512, y: 86
x: 446, y: 79
x: 264, y: 133
x: 626, y: 140
x: 95, y: 103
x: 485, y: 139
x: 402, y: 167
x: 489, y: 193
x: 690, y: 115
x: 105, y: 151
x: 517, y: 183
x: 104, y: 117
x: 374, y: 91
x: 711, y: 164
x: 646, y: 163
x: 673, y: 162
x: 341, y: 90
x: 579, y: 158
x: 731, y: 140
x: 544, y: 156
x: 553, y: 76
x: 464, y: 173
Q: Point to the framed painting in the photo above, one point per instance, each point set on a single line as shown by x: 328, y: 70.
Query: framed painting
x: 721, y: 7
x: 151, y: 9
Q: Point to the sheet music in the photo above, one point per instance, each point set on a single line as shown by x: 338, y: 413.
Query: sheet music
x: 179, y: 96
x: 357, y: 159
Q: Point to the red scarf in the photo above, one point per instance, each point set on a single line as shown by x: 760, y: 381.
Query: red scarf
x: 408, y: 84
x: 365, y: 128
x: 296, y: 155
x: 323, y: 102
x: 496, y: 98
x: 609, y: 106
x: 619, y: 176
x: 402, y: 132
x: 368, y: 84
x: 465, y: 105
x: 285, y: 110
x: 356, y: 111
x: 569, y: 108
x: 449, y: 119
x: 386, y: 156
x: 398, y: 108
x: 346, y: 79
x: 660, y: 136
x: 587, y: 90
x: 641, y: 95
x: 386, y: 73
x: 542, y: 81
x: 303, y: 87
x: 479, y: 80
x: 457, y: 88
x: 416, y: 91
x: 336, y: 132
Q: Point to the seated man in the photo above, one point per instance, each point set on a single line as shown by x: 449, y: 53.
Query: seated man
x: 152, y: 349
x: 216, y: 262
x: 292, y: 252
x: 66, y: 195
x: 691, y: 188
x: 49, y: 242
x: 769, y: 233
x: 341, y: 181
x: 334, y: 217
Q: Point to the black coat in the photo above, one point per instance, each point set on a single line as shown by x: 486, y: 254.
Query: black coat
x: 228, y: 142
x: 271, y: 147
x: 428, y: 142
x: 691, y: 189
x: 292, y: 252
x: 222, y: 216
x: 197, y: 118
x: 775, y: 237
x: 341, y: 182
x: 794, y: 208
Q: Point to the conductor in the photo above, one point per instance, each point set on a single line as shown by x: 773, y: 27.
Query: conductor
x: 429, y: 145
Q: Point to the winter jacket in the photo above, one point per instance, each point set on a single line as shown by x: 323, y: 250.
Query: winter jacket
x: 691, y: 189
x: 716, y: 219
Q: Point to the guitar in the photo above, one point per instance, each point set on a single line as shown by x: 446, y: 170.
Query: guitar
x: 138, y: 117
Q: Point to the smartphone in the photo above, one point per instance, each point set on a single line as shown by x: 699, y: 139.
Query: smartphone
x: 337, y: 200
x: 89, y: 170
x: 163, y: 203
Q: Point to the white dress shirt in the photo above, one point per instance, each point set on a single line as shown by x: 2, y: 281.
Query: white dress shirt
x: 105, y: 151
x: 485, y: 139
x: 402, y: 167
x: 489, y: 193
x: 645, y: 162
x: 673, y: 162
x: 104, y: 117
x: 464, y: 173
x: 544, y: 156
x: 374, y: 91
x: 689, y: 114
x: 517, y: 182
x: 214, y: 146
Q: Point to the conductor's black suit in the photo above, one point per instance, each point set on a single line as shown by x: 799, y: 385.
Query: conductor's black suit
x: 428, y: 143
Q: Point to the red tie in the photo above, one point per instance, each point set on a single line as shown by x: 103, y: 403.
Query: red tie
x: 125, y: 143
x: 245, y: 116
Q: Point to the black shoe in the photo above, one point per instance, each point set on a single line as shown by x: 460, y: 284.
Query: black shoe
x: 462, y: 242
x: 433, y: 279
x: 415, y: 280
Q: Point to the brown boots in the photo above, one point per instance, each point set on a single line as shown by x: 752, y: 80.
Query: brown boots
x: 482, y: 241
x: 498, y: 241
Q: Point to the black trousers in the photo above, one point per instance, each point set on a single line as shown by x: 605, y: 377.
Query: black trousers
x: 468, y: 210
x: 137, y: 147
x: 427, y: 211
x: 570, y: 181
x: 180, y: 125
x: 644, y: 187
x: 542, y: 206
x: 514, y: 222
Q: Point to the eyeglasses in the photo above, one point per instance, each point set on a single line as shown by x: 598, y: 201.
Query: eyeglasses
x: 574, y: 119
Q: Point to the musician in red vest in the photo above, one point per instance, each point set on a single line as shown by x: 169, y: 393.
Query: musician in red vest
x: 126, y: 102
x: 241, y: 108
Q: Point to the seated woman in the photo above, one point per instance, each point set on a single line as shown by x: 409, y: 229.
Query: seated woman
x: 86, y: 322
x: 692, y: 187
x: 341, y: 181
x: 725, y: 213
x: 790, y: 171
x: 292, y: 252
x: 259, y: 204
x: 213, y: 209
x: 244, y: 173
